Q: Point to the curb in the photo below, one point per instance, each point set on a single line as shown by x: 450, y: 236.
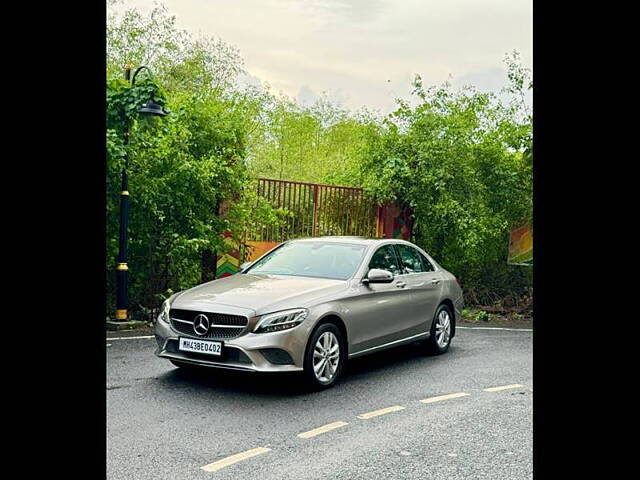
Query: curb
x: 130, y: 325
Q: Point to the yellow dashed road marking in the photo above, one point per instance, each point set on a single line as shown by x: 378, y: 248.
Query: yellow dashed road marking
x: 225, y: 462
x: 323, y: 429
x: 382, y: 411
x: 504, y: 387
x: 444, y: 397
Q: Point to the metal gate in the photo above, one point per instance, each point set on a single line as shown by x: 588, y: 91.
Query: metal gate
x: 316, y: 210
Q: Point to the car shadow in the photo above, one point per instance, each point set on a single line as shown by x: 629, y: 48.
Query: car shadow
x: 236, y: 382
x: 405, y: 356
x: 356, y: 370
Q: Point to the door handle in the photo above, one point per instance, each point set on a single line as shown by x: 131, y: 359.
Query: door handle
x: 435, y: 281
x: 401, y: 284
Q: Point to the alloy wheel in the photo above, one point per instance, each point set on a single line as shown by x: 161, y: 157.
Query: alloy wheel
x: 443, y: 328
x: 326, y: 357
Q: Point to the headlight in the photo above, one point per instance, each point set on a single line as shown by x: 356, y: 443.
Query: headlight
x: 164, y: 311
x: 274, y: 322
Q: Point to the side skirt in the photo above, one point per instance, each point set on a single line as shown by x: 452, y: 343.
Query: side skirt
x: 395, y: 343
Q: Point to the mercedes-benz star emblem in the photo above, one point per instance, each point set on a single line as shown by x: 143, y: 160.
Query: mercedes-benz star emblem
x: 201, y: 324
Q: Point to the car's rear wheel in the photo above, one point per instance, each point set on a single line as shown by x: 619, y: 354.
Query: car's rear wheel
x: 441, y: 330
x: 324, y: 357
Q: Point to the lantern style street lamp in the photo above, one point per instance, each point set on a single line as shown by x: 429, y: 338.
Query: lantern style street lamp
x: 122, y: 270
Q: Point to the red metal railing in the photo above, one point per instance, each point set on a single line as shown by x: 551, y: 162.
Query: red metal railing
x: 316, y: 210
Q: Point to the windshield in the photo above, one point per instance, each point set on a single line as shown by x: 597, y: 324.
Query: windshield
x: 312, y: 259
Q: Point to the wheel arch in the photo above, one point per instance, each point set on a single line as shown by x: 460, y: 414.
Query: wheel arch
x: 338, y: 322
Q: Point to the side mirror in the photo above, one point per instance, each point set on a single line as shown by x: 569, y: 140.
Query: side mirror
x: 245, y: 265
x: 377, y: 275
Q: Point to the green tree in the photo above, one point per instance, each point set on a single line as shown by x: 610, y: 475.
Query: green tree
x: 318, y: 143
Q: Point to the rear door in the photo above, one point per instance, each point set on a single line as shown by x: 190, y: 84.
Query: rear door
x: 424, y: 283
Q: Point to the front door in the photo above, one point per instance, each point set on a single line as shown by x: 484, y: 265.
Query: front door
x: 380, y: 312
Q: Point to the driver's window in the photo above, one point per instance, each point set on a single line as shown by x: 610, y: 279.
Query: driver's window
x: 385, y: 259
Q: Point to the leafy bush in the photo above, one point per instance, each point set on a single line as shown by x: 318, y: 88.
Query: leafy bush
x: 476, y: 315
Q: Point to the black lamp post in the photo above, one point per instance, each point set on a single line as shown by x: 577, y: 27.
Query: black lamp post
x: 122, y: 270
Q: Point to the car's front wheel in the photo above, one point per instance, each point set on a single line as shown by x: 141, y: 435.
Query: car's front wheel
x: 324, y: 357
x: 441, y: 330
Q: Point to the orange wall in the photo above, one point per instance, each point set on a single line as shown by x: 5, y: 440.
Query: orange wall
x: 256, y: 249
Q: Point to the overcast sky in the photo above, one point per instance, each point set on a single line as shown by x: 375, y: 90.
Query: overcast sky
x: 363, y: 52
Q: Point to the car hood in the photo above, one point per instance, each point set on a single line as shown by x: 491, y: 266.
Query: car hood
x: 249, y: 294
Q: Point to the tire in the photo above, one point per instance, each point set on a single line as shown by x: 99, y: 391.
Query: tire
x: 330, y: 333
x: 442, y: 316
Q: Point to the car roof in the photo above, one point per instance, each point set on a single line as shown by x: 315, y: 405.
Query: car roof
x: 343, y: 239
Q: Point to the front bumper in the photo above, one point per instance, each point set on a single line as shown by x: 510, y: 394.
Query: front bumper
x: 248, y: 352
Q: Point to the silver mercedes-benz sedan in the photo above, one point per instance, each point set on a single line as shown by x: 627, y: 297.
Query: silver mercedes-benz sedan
x: 308, y: 305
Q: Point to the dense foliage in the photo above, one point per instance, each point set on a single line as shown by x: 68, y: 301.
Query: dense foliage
x: 317, y: 143
x: 461, y: 159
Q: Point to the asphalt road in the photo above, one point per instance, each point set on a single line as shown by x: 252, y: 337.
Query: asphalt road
x: 163, y: 422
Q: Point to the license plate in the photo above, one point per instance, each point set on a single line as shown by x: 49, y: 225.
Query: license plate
x: 200, y: 346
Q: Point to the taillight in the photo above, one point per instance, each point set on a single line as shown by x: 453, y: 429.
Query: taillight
x: 458, y: 282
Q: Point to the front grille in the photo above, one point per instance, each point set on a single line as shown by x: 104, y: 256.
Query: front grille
x: 224, y: 327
